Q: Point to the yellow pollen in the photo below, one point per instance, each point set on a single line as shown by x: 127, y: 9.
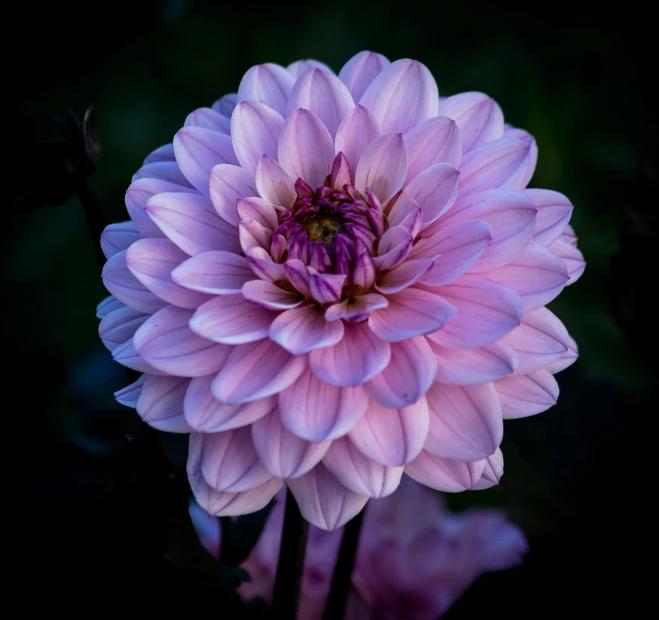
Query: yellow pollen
x: 322, y: 229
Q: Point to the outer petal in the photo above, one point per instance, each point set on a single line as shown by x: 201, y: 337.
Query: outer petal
x: 126, y: 355
x: 267, y: 295
x: 259, y: 210
x: 572, y: 257
x: 119, y: 326
x: 432, y: 142
x: 301, y: 330
x: 162, y: 153
x: 129, y: 395
x: 118, y: 237
x: 160, y: 403
x: 323, y: 500
x: 269, y: 84
x: 525, y: 395
x: 225, y: 105
x: 208, y: 119
x: 361, y: 70
x: 382, y: 167
x: 300, y: 67
x: 406, y: 274
x: 282, y: 453
x: 392, y: 437
x: 568, y: 358
x: 255, y: 131
x: 465, y: 421
x: 356, y: 131
x: 109, y: 304
x: 217, y: 273
x: 274, y: 183
x: 316, y: 411
x: 402, y: 96
x: 167, y: 171
x: 554, y: 212
x: 444, y: 474
x: 492, y: 471
x: 228, y: 184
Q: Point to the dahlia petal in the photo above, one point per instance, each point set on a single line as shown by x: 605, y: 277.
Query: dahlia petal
x: 432, y: 142
x: 358, y: 357
x: 357, y: 308
x: 444, y: 474
x: 109, y: 304
x: 126, y: 355
x: 229, y: 462
x: 205, y: 414
x: 510, y: 215
x: 364, y: 272
x: 208, y: 119
x: 487, y: 311
x: 255, y: 131
x: 192, y: 223
x: 525, y: 395
x: 160, y: 403
x: 274, y: 184
x: 474, y: 366
x: 252, y: 235
x: 162, y: 153
x: 406, y: 274
x: 298, y: 276
x: 394, y: 247
x: 268, y: 83
x: 227, y: 184
x: 434, y: 190
x: 226, y: 104
x: 316, y: 411
x: 478, y: 117
x: 359, y: 473
x: 358, y: 73
x: 323, y: 500
x: 304, y: 329
x: 537, y: 275
x: 539, y: 340
x: 258, y: 210
x: 554, y: 212
x: 231, y: 319
x: 118, y: 279
x: 408, y: 376
x: 325, y: 288
x: 571, y: 256
x: 167, y: 343
x: 216, y: 273
x: 465, y: 421
x: 264, y: 267
x: 167, y: 171
x: 492, y: 471
x: 256, y: 370
x: 130, y: 394
x: 282, y: 453
x: 198, y: 151
x: 504, y: 163
x: 151, y: 261
x: 392, y: 437
x: 382, y: 167
x: 356, y: 131
x: 411, y: 312
x: 118, y: 237
x: 325, y: 95
x: 402, y: 96
x: 300, y: 67
x: 568, y: 358
x: 306, y: 149
x: 270, y: 296
x: 120, y: 325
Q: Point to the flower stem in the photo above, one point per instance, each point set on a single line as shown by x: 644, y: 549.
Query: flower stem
x: 288, y: 582
x: 345, y: 563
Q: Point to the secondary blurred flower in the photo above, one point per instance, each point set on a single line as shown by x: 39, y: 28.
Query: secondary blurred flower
x: 329, y: 281
x: 414, y: 559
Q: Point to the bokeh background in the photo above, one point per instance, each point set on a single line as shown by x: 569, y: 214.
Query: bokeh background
x: 97, y: 513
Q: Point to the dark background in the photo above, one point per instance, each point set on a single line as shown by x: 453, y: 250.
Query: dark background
x: 97, y: 510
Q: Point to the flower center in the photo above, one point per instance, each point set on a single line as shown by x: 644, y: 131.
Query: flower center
x: 322, y: 228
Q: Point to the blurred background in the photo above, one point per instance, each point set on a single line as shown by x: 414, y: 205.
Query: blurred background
x: 96, y: 532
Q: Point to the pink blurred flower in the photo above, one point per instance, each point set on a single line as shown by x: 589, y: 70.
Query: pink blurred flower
x: 329, y: 281
x: 414, y: 559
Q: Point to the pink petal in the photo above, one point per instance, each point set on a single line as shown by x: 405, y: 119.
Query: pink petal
x: 225, y: 105
x: 465, y: 421
x: 253, y: 235
x: 487, y: 311
x: 130, y: 394
x: 358, y: 357
x: 198, y: 151
x: 160, y: 403
x: 432, y: 142
x: 572, y: 257
x: 361, y: 70
x: 411, y: 312
x: 255, y: 131
x: 358, y: 473
x: 382, y: 167
x: 568, y: 358
x: 325, y: 288
x: 304, y: 329
x: 127, y: 288
x: 109, y: 304
x: 492, y: 471
x: 402, y: 96
x: 298, y: 276
x: 205, y: 414
x: 444, y: 474
x: 325, y: 95
x: 118, y: 237
x: 258, y: 210
x: 394, y: 247
x: 264, y: 267
x: 357, y: 130
x: 478, y: 117
x: 167, y: 171
x: 537, y: 275
x: 282, y: 453
x: 274, y: 183
x: 228, y: 184
x: 166, y: 342
x: 323, y: 500
x: 119, y: 326
x: 392, y: 437
x: 267, y: 295
x: 408, y: 376
x: 316, y: 411
x: 357, y: 308
x: 151, y: 261
x: 126, y: 355
x: 191, y: 222
x: 306, y: 149
x: 554, y: 212
x: 162, y: 153
x: 525, y: 395
x: 269, y: 84
x: 217, y: 273
x: 473, y: 366
x: 208, y: 119
x: 406, y: 274
x: 300, y: 67
x: 256, y: 370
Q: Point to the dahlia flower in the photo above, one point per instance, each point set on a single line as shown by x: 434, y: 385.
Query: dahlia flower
x: 329, y: 281
x: 415, y: 558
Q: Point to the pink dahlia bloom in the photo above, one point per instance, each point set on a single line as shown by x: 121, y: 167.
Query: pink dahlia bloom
x: 414, y: 558
x: 329, y: 281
